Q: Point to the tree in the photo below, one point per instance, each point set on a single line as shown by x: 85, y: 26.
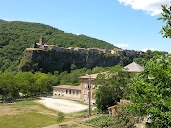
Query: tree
x: 73, y: 67
x: 166, y: 17
x: 8, y: 87
x: 150, y: 92
x: 145, y: 57
x: 26, y: 83
x: 112, y: 87
x: 35, y: 84
x: 43, y: 82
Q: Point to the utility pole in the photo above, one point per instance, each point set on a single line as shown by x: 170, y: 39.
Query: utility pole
x: 89, y: 96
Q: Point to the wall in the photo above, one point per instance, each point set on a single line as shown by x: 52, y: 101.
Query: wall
x: 70, y: 94
x: 85, y: 90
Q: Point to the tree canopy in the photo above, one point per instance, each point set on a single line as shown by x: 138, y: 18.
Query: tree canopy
x: 166, y: 17
x: 27, y: 83
x: 111, y: 87
x: 150, y: 92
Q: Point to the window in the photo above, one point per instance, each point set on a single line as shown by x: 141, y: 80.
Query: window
x: 73, y: 91
x: 69, y: 91
x: 93, y: 95
x: 85, y: 86
x: 66, y: 91
x: 77, y: 92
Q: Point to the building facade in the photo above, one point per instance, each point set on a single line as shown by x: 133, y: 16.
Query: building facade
x: 67, y: 92
x: 82, y: 92
x: 87, y: 87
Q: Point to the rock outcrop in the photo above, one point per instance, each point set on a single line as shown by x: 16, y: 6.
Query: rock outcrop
x: 52, y: 60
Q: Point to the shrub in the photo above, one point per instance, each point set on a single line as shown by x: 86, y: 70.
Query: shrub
x: 60, y: 117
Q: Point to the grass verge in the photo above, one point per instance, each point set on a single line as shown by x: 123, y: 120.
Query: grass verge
x: 27, y: 120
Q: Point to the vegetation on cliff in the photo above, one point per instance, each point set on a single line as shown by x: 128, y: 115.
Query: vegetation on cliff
x: 15, y: 36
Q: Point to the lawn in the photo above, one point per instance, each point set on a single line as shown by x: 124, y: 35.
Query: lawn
x: 31, y: 114
x: 27, y: 120
x: 26, y: 114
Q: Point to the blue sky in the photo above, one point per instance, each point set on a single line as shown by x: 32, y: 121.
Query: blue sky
x: 131, y: 24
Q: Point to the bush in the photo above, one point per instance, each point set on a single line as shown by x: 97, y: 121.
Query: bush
x: 123, y: 119
x: 60, y: 117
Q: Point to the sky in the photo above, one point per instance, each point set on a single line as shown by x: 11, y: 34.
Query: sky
x: 129, y: 24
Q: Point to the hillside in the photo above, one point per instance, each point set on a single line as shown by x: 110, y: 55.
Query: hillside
x: 15, y: 36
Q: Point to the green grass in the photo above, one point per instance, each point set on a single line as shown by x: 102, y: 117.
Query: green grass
x: 34, y: 102
x: 27, y: 114
x: 27, y: 120
x: 26, y: 102
x: 103, y: 121
x: 80, y: 114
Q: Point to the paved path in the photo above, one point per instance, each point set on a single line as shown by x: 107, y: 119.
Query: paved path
x: 62, y: 105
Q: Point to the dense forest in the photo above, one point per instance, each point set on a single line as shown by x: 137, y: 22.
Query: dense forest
x: 15, y: 36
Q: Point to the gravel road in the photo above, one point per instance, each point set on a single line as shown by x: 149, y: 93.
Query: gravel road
x: 62, y: 105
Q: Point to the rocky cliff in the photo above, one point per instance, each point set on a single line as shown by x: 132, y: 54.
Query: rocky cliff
x: 51, y: 60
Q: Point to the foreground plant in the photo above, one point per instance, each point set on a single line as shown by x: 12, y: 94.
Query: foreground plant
x: 60, y: 117
x: 150, y: 92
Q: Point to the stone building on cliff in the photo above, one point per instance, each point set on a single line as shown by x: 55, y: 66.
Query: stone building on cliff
x: 50, y: 58
x: 116, y: 51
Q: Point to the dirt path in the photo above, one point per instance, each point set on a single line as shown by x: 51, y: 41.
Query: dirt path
x: 65, y: 106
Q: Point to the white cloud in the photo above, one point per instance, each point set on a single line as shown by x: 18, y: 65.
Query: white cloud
x: 77, y: 34
x: 121, y: 45
x: 145, y: 49
x: 153, y: 7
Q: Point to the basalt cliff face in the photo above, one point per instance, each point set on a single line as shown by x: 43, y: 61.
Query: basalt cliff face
x: 36, y: 59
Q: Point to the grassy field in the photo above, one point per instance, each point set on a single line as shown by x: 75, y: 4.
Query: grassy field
x: 26, y: 114
x: 31, y: 114
x: 27, y: 120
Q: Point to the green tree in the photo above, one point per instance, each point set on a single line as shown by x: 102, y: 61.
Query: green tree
x: 124, y: 118
x: 166, y: 17
x: 43, y: 82
x: 150, y: 92
x: 112, y: 87
x: 26, y: 83
x: 8, y: 87
x: 35, y: 84
x: 145, y: 57
x: 73, y: 67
